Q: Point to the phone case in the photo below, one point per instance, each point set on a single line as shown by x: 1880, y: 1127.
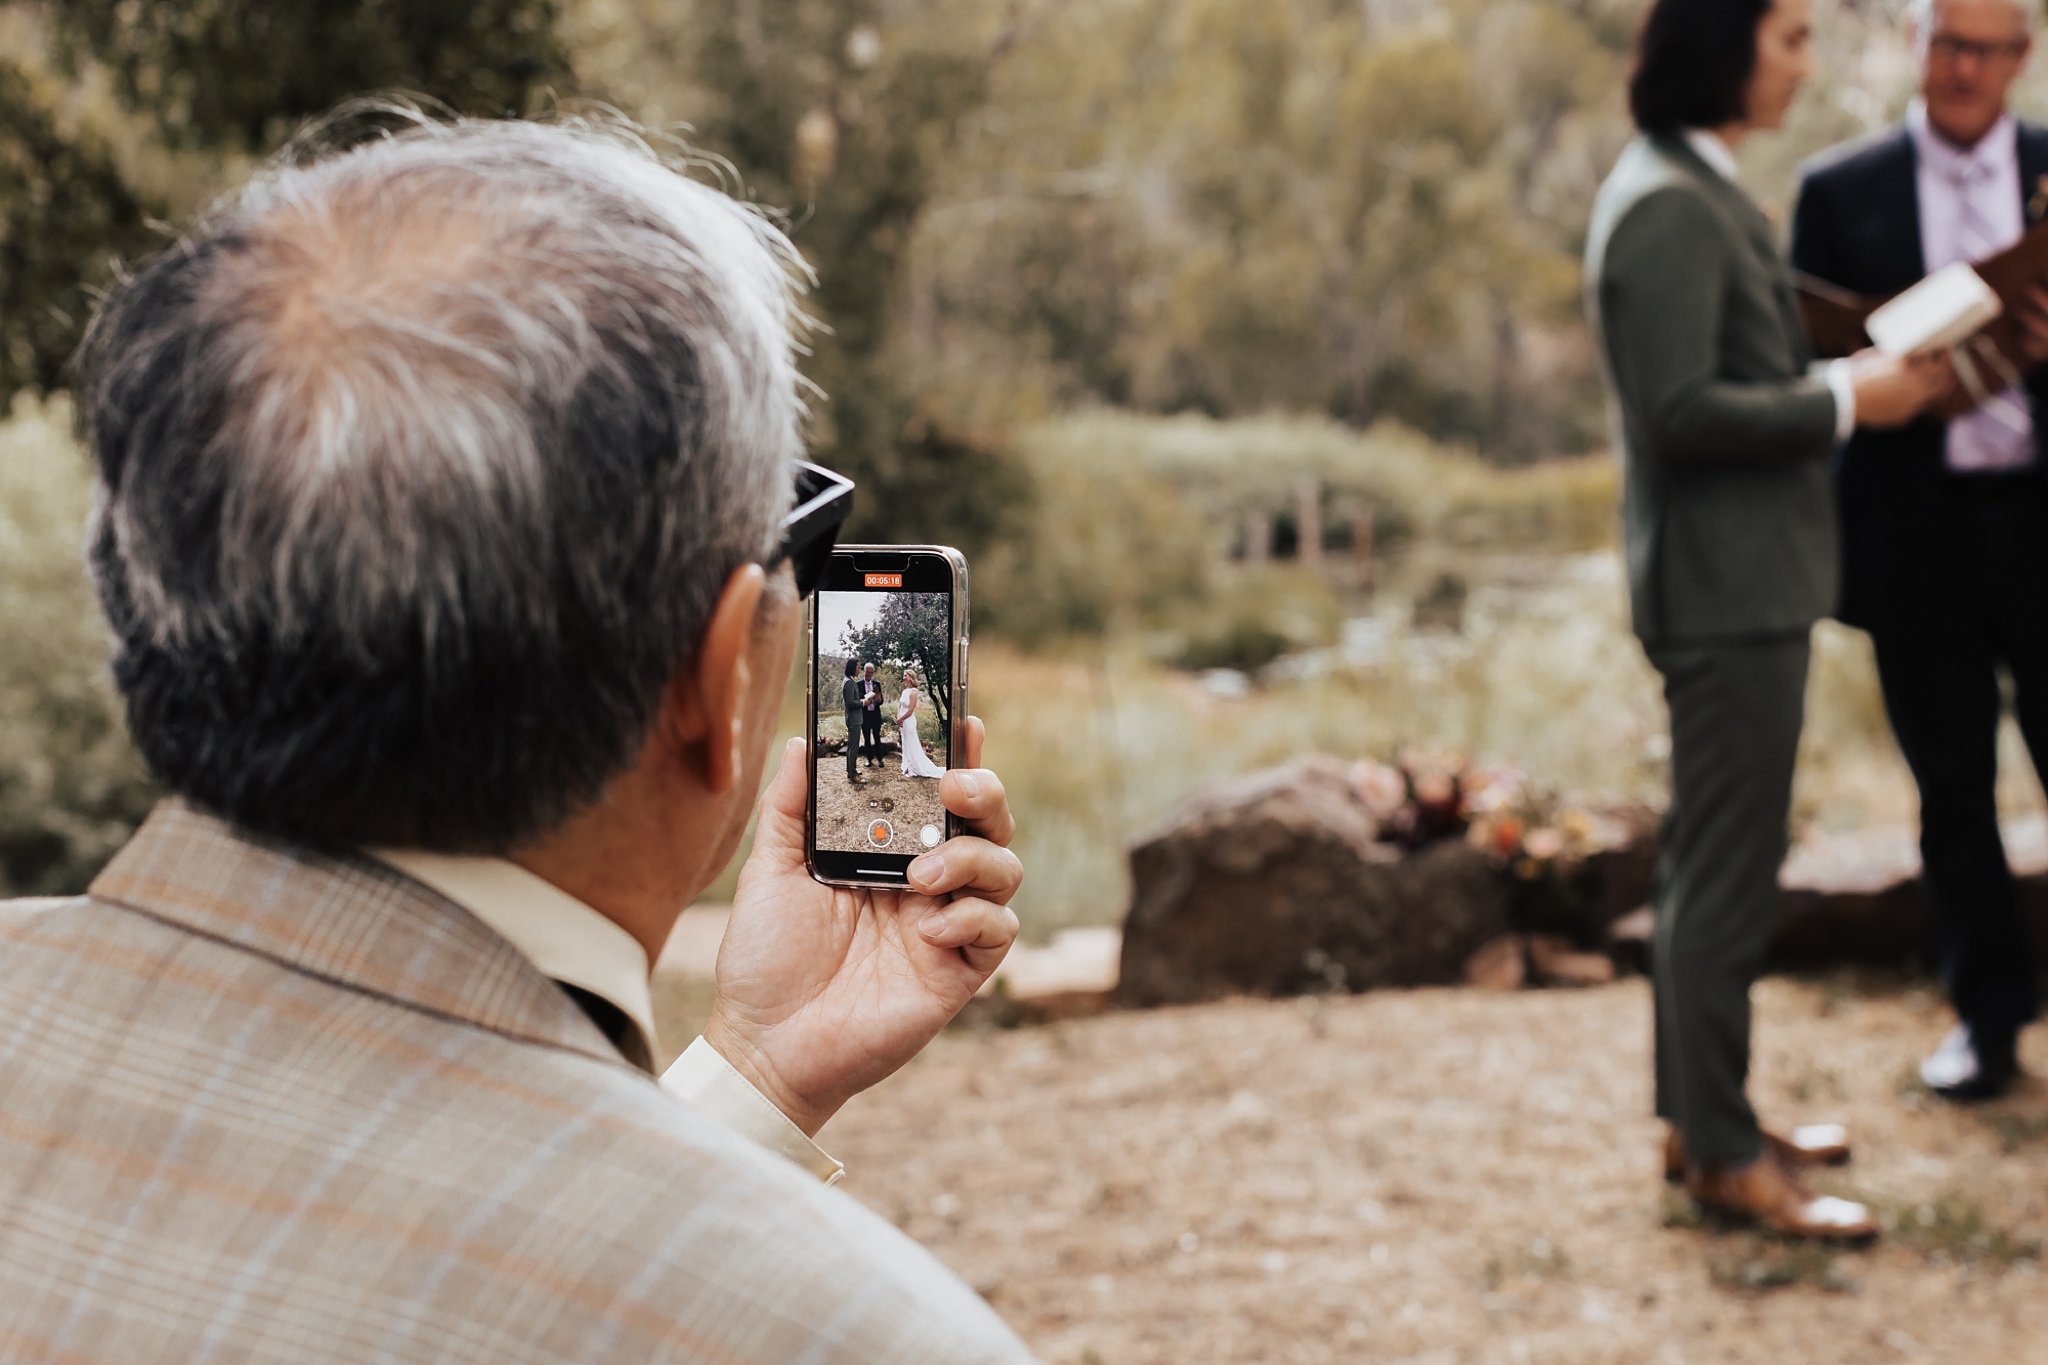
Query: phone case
x: 957, y: 695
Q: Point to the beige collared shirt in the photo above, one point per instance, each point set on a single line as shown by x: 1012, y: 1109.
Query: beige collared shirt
x: 574, y: 944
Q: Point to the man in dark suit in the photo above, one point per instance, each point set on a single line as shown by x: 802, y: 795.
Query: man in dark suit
x: 849, y: 697
x: 1945, y: 523
x: 871, y: 715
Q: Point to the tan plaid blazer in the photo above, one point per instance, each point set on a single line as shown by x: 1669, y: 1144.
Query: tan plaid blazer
x: 262, y: 1105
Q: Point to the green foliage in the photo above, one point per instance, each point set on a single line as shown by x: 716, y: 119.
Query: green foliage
x: 1256, y: 617
x: 1016, y: 207
x: 242, y: 73
x: 1222, y: 207
x: 1129, y: 523
x: 65, y: 212
x: 224, y: 78
x: 913, y: 628
x: 843, y: 110
x: 71, y: 787
x: 1099, y: 543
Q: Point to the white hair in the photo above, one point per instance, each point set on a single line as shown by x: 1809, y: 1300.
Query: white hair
x: 478, y: 412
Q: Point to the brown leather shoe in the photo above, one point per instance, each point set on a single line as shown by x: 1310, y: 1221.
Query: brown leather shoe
x: 1810, y: 1144
x: 1768, y: 1195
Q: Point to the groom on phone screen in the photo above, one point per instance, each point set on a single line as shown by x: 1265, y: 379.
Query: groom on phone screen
x: 849, y: 695
x: 871, y: 716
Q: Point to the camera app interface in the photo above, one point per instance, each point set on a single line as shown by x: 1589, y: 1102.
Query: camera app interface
x: 883, y: 686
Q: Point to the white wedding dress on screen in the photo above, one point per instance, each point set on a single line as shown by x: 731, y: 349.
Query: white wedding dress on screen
x: 915, y: 764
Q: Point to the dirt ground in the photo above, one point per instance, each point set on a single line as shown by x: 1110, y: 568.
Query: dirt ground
x: 1448, y: 1176
x: 907, y: 803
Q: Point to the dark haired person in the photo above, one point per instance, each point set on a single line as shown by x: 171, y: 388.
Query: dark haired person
x: 1725, y: 439
x: 452, y: 537
x: 1945, y: 523
x: 871, y: 716
x: 854, y: 702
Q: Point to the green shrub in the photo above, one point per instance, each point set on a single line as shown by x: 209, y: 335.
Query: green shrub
x: 71, y: 786
x: 1132, y: 522
x: 1099, y: 544
x: 1256, y: 616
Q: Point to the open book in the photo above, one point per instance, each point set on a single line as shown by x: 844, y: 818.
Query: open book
x: 1945, y: 309
x: 1941, y: 312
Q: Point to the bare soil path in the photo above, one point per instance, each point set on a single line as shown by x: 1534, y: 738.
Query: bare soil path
x: 1447, y: 1176
x: 905, y: 804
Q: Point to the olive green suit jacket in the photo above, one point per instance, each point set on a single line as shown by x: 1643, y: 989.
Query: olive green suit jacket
x: 1725, y: 437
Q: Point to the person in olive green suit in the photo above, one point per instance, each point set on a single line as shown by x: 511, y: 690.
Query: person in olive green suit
x: 1725, y: 433
x: 849, y: 697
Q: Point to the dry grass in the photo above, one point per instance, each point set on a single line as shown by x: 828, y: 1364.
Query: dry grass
x: 1445, y: 1177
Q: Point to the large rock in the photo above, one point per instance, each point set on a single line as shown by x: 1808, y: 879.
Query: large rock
x: 1620, y: 873
x: 1279, y: 884
x: 1296, y: 880
x: 1856, y: 899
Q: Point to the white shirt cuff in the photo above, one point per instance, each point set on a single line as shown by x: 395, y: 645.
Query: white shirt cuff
x: 709, y: 1082
x: 1837, y: 375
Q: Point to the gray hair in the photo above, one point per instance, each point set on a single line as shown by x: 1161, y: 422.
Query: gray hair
x: 421, y: 464
x: 1923, y: 11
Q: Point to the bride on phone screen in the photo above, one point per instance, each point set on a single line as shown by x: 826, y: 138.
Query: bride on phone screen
x: 915, y: 764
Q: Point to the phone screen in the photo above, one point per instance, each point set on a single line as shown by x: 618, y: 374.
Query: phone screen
x: 885, y: 650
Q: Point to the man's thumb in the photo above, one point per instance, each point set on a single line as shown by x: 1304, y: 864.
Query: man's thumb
x: 782, y: 804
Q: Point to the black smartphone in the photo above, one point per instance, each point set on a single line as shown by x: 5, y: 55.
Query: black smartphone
x: 887, y: 708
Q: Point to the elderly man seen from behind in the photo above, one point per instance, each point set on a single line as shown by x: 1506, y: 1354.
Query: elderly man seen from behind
x: 448, y: 528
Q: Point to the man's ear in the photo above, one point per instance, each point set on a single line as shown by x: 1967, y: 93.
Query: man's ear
x: 705, y: 709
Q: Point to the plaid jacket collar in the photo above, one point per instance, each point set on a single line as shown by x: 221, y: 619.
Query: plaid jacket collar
x: 344, y: 918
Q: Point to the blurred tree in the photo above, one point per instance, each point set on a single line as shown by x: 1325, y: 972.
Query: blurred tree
x: 1363, y: 208
x: 245, y: 72
x: 224, y: 77
x: 65, y: 213
x: 1307, y: 204
x: 912, y: 628
x: 845, y: 112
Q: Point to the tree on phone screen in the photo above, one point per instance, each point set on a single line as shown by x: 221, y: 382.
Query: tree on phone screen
x: 917, y: 628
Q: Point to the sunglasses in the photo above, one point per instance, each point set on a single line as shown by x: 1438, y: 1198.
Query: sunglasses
x: 823, y: 500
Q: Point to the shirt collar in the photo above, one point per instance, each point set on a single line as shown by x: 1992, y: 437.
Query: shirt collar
x: 1711, y: 149
x: 566, y: 939
x: 1996, y: 149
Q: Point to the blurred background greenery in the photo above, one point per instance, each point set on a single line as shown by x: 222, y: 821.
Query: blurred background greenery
x: 1237, y: 341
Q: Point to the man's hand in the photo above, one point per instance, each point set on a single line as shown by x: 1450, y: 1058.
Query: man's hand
x: 822, y: 990
x: 1892, y: 390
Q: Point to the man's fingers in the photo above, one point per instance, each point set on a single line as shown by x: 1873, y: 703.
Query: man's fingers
x: 982, y: 930
x: 976, y: 733
x: 968, y: 864
x: 976, y: 795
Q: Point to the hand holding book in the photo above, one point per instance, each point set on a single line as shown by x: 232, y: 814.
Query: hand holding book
x: 1992, y: 316
x: 1892, y: 390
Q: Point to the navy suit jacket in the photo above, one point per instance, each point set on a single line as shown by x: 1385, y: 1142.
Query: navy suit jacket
x: 1857, y: 225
